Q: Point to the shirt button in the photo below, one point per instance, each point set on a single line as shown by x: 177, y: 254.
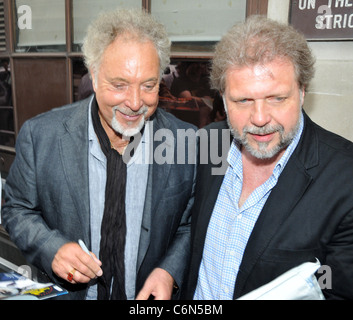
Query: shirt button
x: 240, y: 216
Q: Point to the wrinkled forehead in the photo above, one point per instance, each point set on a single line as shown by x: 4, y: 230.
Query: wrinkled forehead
x: 264, y: 69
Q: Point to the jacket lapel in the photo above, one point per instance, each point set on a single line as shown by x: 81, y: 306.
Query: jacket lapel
x: 157, y: 178
x: 205, y: 198
x: 211, y: 182
x: 160, y: 172
x: 290, y: 188
x: 201, y: 221
x: 278, y: 207
x: 74, y: 156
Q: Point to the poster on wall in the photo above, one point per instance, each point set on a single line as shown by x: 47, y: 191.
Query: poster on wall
x: 323, y: 19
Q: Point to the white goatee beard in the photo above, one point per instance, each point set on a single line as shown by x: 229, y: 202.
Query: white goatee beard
x: 129, y: 131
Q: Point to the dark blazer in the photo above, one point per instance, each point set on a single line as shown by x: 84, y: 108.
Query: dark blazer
x: 308, y: 215
x: 47, y: 195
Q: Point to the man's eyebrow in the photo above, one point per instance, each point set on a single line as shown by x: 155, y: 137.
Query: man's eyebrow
x: 151, y: 79
x: 117, y: 79
x: 127, y: 81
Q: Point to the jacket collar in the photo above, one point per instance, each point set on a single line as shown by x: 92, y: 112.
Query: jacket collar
x: 307, y: 151
x: 156, y: 183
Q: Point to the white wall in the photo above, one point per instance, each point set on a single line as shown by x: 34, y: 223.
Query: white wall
x: 329, y: 100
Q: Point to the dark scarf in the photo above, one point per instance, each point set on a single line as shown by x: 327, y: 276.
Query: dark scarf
x: 113, y: 229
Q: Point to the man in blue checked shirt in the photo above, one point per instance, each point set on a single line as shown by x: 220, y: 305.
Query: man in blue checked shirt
x: 287, y: 195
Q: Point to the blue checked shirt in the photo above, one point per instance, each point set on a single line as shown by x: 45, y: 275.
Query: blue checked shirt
x: 230, y: 226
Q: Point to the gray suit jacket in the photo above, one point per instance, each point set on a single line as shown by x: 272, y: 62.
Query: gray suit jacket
x: 47, y: 195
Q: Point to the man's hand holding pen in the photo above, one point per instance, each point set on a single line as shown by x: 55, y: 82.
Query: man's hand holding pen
x: 75, y: 265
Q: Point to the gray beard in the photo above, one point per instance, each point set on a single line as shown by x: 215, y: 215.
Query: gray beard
x: 127, y: 131
x: 262, y: 152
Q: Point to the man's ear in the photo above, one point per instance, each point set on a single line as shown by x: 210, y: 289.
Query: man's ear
x: 93, y: 78
x: 302, y: 96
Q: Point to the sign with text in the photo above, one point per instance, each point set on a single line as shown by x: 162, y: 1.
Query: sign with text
x: 323, y: 19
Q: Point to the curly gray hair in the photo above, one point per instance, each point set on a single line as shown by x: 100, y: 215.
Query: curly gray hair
x: 261, y: 40
x: 132, y: 22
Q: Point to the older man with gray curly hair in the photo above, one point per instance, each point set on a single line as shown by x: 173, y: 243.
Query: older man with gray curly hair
x: 71, y: 179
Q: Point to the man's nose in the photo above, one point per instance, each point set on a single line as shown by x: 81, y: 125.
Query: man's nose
x: 260, y: 115
x: 133, y: 100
